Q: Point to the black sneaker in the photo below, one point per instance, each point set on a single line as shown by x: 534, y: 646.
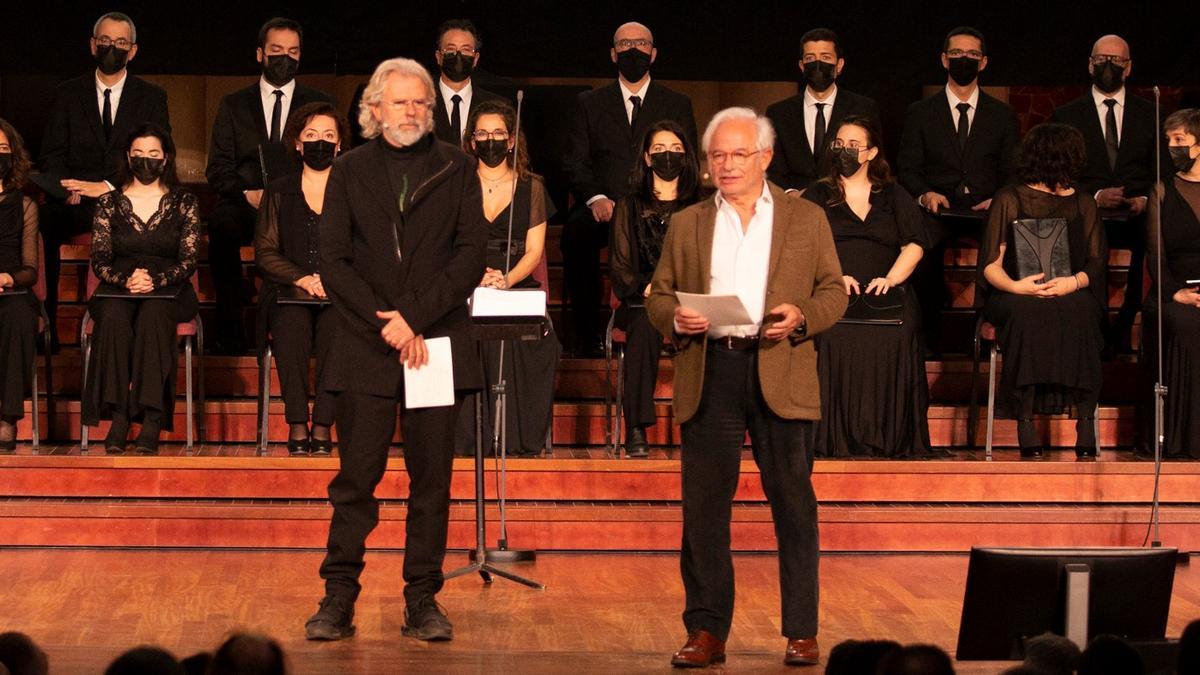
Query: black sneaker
x: 426, y: 620
x: 333, y: 621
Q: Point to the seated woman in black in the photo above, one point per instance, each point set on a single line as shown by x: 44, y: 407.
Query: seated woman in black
x: 144, y: 240
x: 18, y: 271
x: 874, y: 396
x: 285, y: 249
x: 1049, y: 329
x: 665, y: 178
x: 1180, y: 214
x: 529, y: 365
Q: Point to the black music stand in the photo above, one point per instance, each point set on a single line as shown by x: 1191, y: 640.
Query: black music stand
x: 493, y: 328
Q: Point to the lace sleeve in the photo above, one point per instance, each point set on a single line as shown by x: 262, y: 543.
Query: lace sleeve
x: 102, y: 246
x: 189, y: 235
x: 26, y: 275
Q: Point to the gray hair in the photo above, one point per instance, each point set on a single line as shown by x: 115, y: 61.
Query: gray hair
x: 766, y: 132
x: 373, y: 94
x: 116, y: 16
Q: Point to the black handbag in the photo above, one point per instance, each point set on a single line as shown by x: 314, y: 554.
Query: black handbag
x: 1041, y: 246
x: 876, y: 310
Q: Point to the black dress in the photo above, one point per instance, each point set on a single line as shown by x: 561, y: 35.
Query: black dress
x: 874, y: 395
x: 135, y: 348
x: 1051, y: 346
x: 1181, y: 323
x: 18, y: 311
x: 529, y: 365
x: 285, y: 249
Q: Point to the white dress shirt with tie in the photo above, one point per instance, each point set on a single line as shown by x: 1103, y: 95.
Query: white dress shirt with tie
x: 1102, y: 110
x: 464, y: 106
x: 954, y: 100
x: 810, y: 115
x: 267, y: 92
x: 626, y: 92
x: 114, y: 95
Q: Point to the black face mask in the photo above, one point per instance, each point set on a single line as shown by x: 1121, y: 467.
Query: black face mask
x: 667, y: 165
x: 6, y: 164
x: 109, y: 59
x: 963, y: 70
x: 491, y: 152
x: 846, y: 161
x: 633, y: 64
x: 1108, y: 77
x: 1180, y: 157
x: 457, y: 67
x: 279, y: 69
x: 147, y: 169
x: 819, y: 74
x: 318, y: 155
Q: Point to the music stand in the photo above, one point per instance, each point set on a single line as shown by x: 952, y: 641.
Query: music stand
x: 493, y: 328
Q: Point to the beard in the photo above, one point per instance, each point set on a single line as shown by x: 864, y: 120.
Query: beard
x: 402, y: 138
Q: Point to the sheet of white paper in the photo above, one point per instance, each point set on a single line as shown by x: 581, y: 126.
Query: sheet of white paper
x: 432, y: 384
x: 720, y: 310
x: 493, y: 302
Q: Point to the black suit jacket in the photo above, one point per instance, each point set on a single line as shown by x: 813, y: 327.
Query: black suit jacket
x: 1135, y: 152
x: 929, y: 158
x: 441, y: 113
x: 602, y: 148
x: 424, y: 263
x: 240, y: 127
x: 794, y: 165
x: 74, y: 145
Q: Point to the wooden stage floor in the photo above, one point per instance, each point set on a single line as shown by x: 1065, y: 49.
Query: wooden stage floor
x: 614, y: 613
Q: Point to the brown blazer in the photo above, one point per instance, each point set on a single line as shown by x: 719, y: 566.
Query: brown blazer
x: 803, y: 270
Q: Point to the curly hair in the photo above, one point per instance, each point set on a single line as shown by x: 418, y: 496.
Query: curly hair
x: 509, y: 115
x: 302, y: 116
x: 18, y: 175
x: 1052, y: 155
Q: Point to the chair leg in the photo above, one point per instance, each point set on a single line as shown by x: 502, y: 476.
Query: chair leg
x: 973, y: 402
x: 200, y: 426
x: 1096, y: 428
x: 264, y: 399
x: 49, y: 370
x: 608, y: 392
x: 33, y: 401
x: 85, y: 351
x: 618, y: 427
x: 187, y: 370
x: 991, y: 409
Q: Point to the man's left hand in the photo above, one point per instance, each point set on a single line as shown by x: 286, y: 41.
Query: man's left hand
x: 397, y: 332
x: 1136, y: 205
x: 787, y: 319
x: 983, y: 205
x: 415, y: 354
x: 93, y: 189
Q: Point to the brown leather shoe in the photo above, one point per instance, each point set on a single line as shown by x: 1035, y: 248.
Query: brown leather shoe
x: 701, y: 650
x: 803, y: 652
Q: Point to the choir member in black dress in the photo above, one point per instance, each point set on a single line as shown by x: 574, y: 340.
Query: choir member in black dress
x: 285, y: 249
x: 1049, y: 330
x: 1180, y: 213
x: 529, y: 365
x: 143, y: 240
x: 665, y: 179
x: 874, y: 395
x: 18, y: 270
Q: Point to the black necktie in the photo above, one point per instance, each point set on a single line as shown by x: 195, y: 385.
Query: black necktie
x: 964, y: 125
x: 1110, y: 132
x: 819, y: 133
x: 276, y: 115
x: 106, y: 115
x: 637, y: 108
x: 456, y: 117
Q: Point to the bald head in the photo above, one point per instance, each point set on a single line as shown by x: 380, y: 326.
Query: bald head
x: 1111, y: 45
x: 632, y: 31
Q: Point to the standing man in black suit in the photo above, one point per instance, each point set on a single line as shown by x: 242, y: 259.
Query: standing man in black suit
x: 1118, y: 130
x: 81, y: 148
x: 955, y: 152
x: 248, y: 129
x: 403, y: 244
x: 601, y: 150
x: 803, y: 122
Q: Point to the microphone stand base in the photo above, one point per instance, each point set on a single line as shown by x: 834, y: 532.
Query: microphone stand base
x: 506, y: 555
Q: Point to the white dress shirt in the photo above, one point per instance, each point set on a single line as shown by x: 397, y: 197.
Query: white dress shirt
x: 114, y: 95
x: 464, y: 107
x: 954, y: 100
x: 267, y: 91
x: 740, y: 259
x: 626, y: 92
x: 810, y: 114
x: 1102, y: 110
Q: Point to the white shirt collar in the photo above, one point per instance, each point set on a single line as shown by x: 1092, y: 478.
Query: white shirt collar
x: 448, y: 93
x: 1099, y: 97
x: 265, y: 88
x: 116, y: 88
x: 954, y: 100
x: 810, y: 100
x: 764, y: 198
x: 626, y: 92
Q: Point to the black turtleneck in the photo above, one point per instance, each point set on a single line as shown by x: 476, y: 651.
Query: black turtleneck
x: 406, y: 167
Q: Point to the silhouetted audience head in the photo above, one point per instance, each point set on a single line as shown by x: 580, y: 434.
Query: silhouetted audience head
x: 145, y: 660
x: 1052, y: 654
x: 917, y: 660
x: 1110, y: 655
x: 1024, y: 669
x: 1189, y: 649
x: 197, y: 664
x: 852, y: 657
x: 21, y: 655
x: 248, y: 654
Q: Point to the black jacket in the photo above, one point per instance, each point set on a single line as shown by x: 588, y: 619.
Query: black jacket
x: 929, y: 159
x: 240, y: 127
x: 74, y: 145
x: 794, y: 165
x: 425, y: 264
x: 601, y: 148
x: 1135, y: 152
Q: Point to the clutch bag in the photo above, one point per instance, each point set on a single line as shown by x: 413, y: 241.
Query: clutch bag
x: 876, y: 310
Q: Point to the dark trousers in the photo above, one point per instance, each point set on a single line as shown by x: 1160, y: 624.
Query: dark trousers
x: 59, y: 223
x: 295, y: 331
x: 1131, y: 235
x: 230, y: 227
x: 643, y: 344
x: 365, y: 426
x: 18, y: 335
x: 731, y: 404
x: 582, y: 240
x: 929, y: 279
